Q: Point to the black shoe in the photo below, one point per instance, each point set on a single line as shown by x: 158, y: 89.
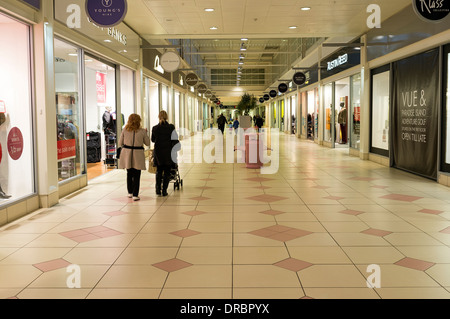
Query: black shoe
x: 164, y: 193
x: 158, y: 192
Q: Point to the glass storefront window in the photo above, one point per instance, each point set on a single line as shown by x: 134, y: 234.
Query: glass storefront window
x: 165, y: 98
x: 328, y: 114
x: 101, y: 116
x: 68, y: 110
x: 446, y: 150
x: 127, y: 104
x: 355, y: 120
x: 316, y: 115
x: 153, y: 103
x: 16, y: 121
x: 380, y: 112
x: 342, y: 93
x: 310, y: 116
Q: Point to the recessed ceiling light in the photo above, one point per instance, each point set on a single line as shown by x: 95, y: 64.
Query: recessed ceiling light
x: 293, y: 27
x: 73, y: 54
x: 244, y: 39
x: 209, y: 10
x: 213, y: 28
x: 305, y: 9
x: 107, y: 41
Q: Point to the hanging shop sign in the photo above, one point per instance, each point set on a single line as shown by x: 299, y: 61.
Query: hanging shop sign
x: 299, y: 78
x: 273, y: 93
x: 341, y: 60
x: 170, y: 61
x: 432, y: 10
x: 192, y: 79
x: 283, y: 88
x: 262, y: 100
x: 106, y: 13
x: 15, y: 143
x: 266, y: 97
x: 208, y: 94
x: 415, y: 114
x: 36, y: 4
x: 202, y: 89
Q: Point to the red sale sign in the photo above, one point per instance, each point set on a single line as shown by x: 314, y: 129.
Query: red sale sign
x: 67, y: 149
x: 101, y: 87
x: 15, y: 143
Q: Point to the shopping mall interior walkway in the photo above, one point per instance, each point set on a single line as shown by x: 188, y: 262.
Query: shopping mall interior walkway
x: 309, y: 231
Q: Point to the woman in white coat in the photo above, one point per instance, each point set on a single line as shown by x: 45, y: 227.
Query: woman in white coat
x: 132, y: 157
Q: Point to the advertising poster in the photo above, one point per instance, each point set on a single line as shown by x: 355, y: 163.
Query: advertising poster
x: 415, y: 114
x: 101, y: 87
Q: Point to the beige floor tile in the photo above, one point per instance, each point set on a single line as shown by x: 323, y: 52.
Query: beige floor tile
x: 17, y: 276
x: 208, y: 240
x: 201, y: 276
x: 341, y: 293
x: 155, y: 240
x: 373, y: 255
x: 37, y: 293
x: 440, y: 273
x: 211, y: 227
x: 414, y: 293
x: 135, y: 293
x: 411, y: 239
x: 9, y: 293
x: 259, y: 255
x: 263, y: 276
x: 206, y: 255
x: 145, y: 256
x: 93, y: 256
x: 133, y: 276
x: 164, y: 228
x: 268, y: 293
x: 312, y: 240
x: 196, y: 293
x: 30, y: 256
x: 345, y: 227
x: 319, y: 255
x: 358, y: 239
x: 52, y: 240
x: 16, y: 240
x: 332, y: 276
x: 434, y: 254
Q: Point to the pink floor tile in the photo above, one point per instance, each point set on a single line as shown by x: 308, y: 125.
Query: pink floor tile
x: 259, y: 179
x: 194, y: 213
x: 199, y: 198
x: 445, y: 231
x: 376, y: 232
x: 52, y: 265
x: 280, y: 233
x: 416, y: 264
x: 400, y: 197
x: 272, y: 212
x: 351, y: 212
x: 293, y: 264
x: 431, y: 211
x: 267, y: 198
x: 74, y: 233
x: 364, y: 179
x: 185, y: 233
x: 172, y: 265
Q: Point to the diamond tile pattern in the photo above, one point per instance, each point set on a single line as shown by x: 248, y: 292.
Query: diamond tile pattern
x: 293, y: 264
x: 90, y: 233
x: 52, y: 265
x: 267, y: 198
x: 172, y: 265
x: 376, y: 232
x: 415, y: 264
x: 185, y: 233
x: 400, y: 197
x: 280, y: 233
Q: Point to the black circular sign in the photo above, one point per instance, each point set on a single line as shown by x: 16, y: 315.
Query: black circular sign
x: 273, y: 93
x: 283, y: 88
x: 191, y: 79
x: 202, y: 89
x: 261, y: 100
x: 106, y: 13
x: 432, y: 10
x: 208, y: 94
x: 299, y: 78
x: 266, y: 97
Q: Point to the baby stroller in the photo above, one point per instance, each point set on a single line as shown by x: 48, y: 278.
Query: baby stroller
x: 175, y: 177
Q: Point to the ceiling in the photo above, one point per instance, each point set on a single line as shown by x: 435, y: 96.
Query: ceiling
x: 273, y: 48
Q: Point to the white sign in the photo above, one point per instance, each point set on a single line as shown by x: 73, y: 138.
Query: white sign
x: 338, y: 62
x: 170, y: 61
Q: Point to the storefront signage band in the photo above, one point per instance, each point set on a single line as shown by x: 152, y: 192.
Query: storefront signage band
x: 432, y: 10
x: 106, y: 13
x: 341, y: 60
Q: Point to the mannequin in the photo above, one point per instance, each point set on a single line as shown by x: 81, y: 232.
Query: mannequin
x: 108, y: 121
x: 3, y: 120
x: 342, y: 120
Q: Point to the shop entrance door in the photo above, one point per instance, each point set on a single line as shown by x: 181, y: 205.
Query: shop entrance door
x: 101, y: 116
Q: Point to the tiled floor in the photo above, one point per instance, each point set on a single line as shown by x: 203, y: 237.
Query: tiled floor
x: 310, y: 231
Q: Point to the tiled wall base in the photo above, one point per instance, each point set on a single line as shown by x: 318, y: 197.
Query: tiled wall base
x: 379, y: 159
x: 72, y: 186
x: 19, y: 210
x: 444, y: 179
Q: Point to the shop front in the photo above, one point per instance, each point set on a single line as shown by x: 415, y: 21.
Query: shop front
x: 342, y: 100
x: 17, y: 118
x: 95, y: 93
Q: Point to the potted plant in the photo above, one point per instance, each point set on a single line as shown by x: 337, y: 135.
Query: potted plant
x: 248, y: 102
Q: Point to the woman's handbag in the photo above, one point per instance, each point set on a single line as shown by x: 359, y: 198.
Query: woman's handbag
x: 151, y: 165
x: 119, y: 150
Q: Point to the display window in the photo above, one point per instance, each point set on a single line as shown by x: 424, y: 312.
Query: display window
x: 380, y: 111
x: 329, y: 126
x: 17, y: 171
x: 68, y: 110
x: 316, y: 115
x: 177, y: 110
x: 165, y: 98
x: 101, y: 116
x: 342, y: 96
x: 446, y: 114
x: 128, y: 103
x: 152, y: 102
x: 310, y: 114
x: 355, y: 105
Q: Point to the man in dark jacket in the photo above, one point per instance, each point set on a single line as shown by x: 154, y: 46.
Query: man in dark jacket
x: 221, y: 122
x: 166, y: 142
x: 259, y: 122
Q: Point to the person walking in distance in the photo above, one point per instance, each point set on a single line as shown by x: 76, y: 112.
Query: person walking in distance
x: 221, y: 122
x: 132, y: 157
x: 165, y: 138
